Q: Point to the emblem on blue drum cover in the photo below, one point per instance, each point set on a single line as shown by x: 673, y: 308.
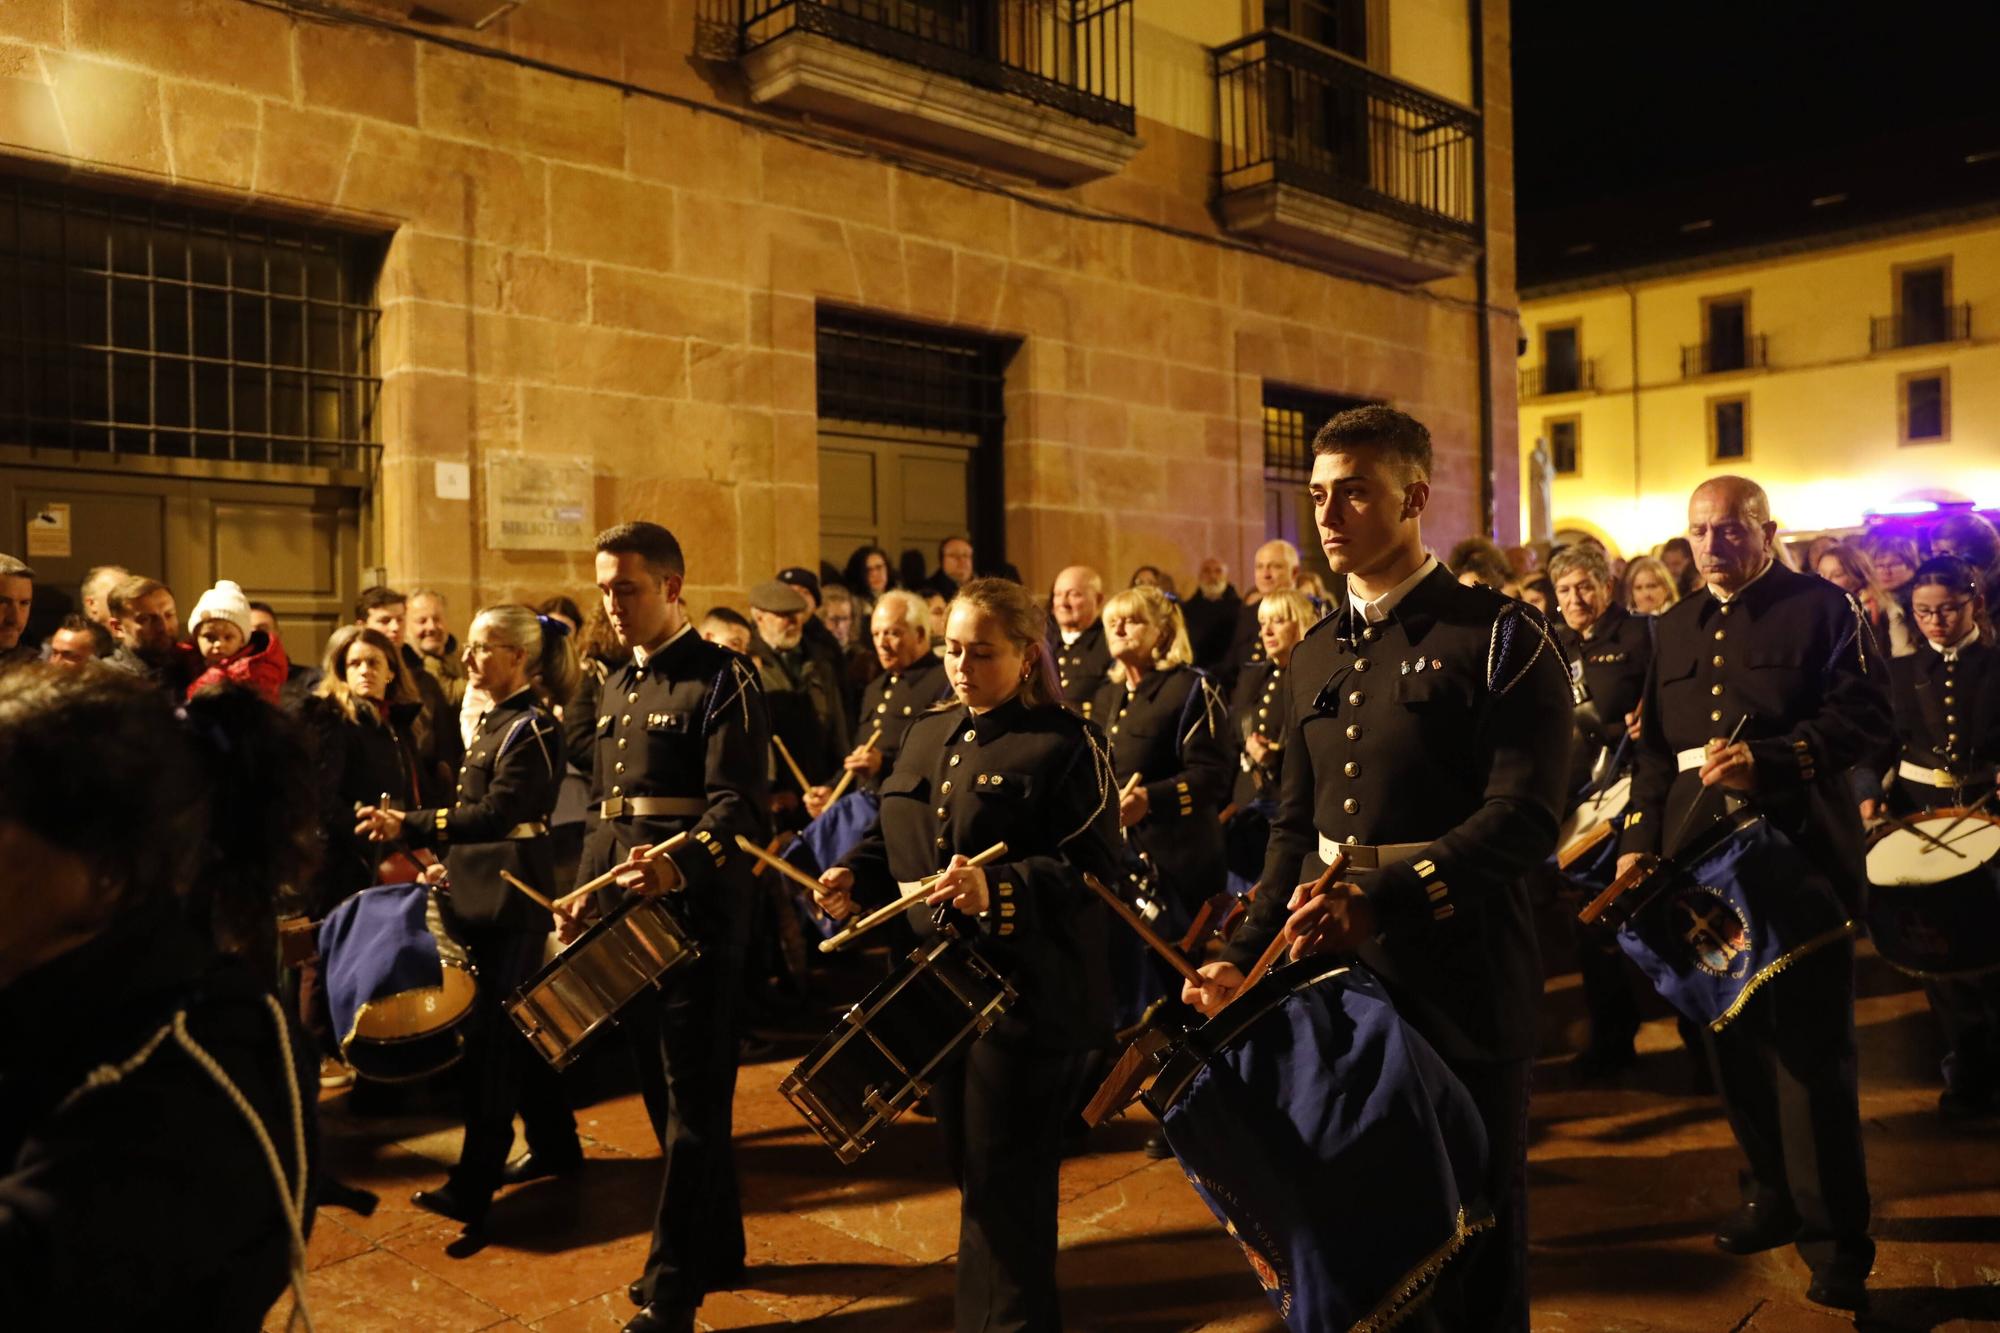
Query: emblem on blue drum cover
x: 1718, y: 934
x: 1266, y: 1256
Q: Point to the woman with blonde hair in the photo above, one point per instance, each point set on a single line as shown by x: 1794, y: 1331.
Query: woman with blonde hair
x: 1005, y: 762
x: 1649, y: 586
x: 1260, y: 716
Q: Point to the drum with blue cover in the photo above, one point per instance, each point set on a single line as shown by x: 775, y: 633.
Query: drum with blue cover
x: 399, y: 984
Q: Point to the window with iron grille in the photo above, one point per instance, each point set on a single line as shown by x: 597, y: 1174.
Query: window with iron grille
x: 888, y: 373
x: 139, y: 326
x: 1291, y: 418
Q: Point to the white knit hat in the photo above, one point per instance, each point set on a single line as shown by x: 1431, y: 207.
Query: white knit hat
x: 225, y: 601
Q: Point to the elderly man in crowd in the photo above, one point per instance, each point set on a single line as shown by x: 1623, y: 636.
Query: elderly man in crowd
x: 96, y: 594
x: 17, y: 595
x: 431, y: 645
x: 1277, y: 566
x: 1076, y: 638
x: 1211, y: 612
x: 806, y: 713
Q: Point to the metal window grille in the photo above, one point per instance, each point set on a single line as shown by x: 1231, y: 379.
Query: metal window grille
x: 1291, y: 418
x: 137, y: 326
x: 885, y: 372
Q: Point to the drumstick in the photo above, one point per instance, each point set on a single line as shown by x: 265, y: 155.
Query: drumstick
x: 583, y: 891
x: 890, y: 911
x: 1637, y: 872
x: 525, y: 889
x: 1974, y: 809
x: 1936, y: 840
x: 1130, y: 783
x: 1283, y: 940
x: 782, y: 866
x: 1687, y: 817
x: 1174, y: 957
x: 847, y: 778
x: 790, y: 762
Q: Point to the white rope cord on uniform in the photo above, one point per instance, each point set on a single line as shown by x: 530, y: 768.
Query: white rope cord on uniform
x: 1544, y: 640
x: 1107, y: 782
x: 291, y: 1196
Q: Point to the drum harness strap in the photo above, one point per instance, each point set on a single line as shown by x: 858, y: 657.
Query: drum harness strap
x: 291, y: 1194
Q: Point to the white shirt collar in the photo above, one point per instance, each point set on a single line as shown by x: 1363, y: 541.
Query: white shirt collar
x: 639, y: 655
x: 1727, y: 597
x: 1070, y: 636
x: 1952, y: 650
x: 1377, y: 611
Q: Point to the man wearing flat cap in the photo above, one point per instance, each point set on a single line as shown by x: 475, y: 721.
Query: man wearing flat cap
x: 819, y: 641
x: 803, y: 688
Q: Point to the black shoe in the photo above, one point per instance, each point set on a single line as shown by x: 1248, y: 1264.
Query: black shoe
x: 1756, y: 1228
x: 534, y: 1166
x: 636, y: 1293
x: 660, y: 1318
x: 1839, y: 1286
x: 445, y: 1203
x: 1157, y: 1146
x: 1953, y: 1105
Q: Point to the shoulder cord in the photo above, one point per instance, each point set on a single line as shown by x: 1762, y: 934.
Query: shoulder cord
x: 533, y: 721
x: 1106, y: 778
x: 291, y: 1194
x: 745, y: 681
x: 1541, y: 629
x: 1212, y: 706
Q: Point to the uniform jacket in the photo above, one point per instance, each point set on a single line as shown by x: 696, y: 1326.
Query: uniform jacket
x: 513, y: 770
x: 1036, y: 779
x: 1947, y: 717
x: 1081, y: 666
x: 1612, y: 658
x: 259, y: 666
x: 1262, y: 704
x: 1449, y: 725
x: 1211, y: 625
x: 690, y: 723
x: 1790, y: 655
x: 356, y: 762
x: 893, y: 701
x: 1173, y: 732
x: 145, y: 1203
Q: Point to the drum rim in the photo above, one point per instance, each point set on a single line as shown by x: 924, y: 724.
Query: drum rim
x: 1902, y: 824
x: 1199, y: 1047
x: 520, y: 1000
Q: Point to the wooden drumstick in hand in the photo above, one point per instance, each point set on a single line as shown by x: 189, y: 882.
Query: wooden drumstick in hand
x: 847, y: 778
x: 890, y: 911
x: 798, y: 774
x: 568, y: 902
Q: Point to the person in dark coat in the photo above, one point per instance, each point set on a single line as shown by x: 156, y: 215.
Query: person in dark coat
x: 1009, y: 764
x: 1211, y: 611
x: 1276, y: 566
x: 1788, y: 658
x: 912, y: 683
x: 1260, y: 719
x: 499, y: 826
x: 806, y: 712
x: 134, y: 1191
x: 1076, y: 635
x: 1429, y: 743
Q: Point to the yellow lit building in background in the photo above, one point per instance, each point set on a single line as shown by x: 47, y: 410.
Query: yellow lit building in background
x: 1851, y: 372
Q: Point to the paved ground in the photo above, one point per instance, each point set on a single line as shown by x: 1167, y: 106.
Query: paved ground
x: 1627, y: 1182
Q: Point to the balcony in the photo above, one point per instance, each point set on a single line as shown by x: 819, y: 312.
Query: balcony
x: 1723, y: 356
x: 1920, y: 327
x: 1323, y: 155
x: 1547, y: 381
x: 1039, y: 87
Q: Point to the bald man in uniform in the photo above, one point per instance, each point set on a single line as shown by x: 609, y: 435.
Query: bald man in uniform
x: 1076, y: 638
x: 1276, y: 566
x: 1792, y: 657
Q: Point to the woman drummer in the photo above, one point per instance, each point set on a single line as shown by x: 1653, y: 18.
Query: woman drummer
x: 1259, y: 716
x: 1006, y: 762
x: 506, y: 793
x: 1947, y: 700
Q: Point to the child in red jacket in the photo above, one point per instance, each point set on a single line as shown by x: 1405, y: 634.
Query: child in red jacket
x: 230, y: 651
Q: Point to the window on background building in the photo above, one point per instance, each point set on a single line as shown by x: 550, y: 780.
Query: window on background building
x: 1728, y: 429
x: 1925, y: 410
x: 1565, y: 437
x: 1291, y: 418
x: 1727, y: 326
x: 1562, y: 361
x: 1340, y: 24
x: 138, y: 326
x: 1923, y: 298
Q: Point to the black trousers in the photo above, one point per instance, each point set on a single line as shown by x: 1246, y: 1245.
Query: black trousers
x: 1485, y: 1288
x: 684, y: 1041
x: 1786, y: 1070
x: 1969, y: 1010
x: 1002, y: 1111
x: 501, y: 1072
x: 1607, y: 991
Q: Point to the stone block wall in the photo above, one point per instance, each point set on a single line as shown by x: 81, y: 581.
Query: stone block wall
x: 620, y: 261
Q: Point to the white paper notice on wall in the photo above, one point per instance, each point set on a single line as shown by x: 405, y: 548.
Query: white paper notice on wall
x: 454, y: 481
x: 48, y: 532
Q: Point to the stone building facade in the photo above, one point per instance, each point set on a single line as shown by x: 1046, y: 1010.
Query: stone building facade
x: 599, y: 250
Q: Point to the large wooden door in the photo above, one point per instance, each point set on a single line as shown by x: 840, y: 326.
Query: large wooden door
x: 876, y: 489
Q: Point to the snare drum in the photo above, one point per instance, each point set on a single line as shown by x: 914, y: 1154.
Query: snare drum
x: 1935, y: 911
x: 889, y: 1048
x: 399, y: 985
x: 580, y: 991
x: 1587, y: 843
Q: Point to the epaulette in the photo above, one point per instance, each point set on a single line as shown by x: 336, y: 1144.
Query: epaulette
x: 735, y: 683
x: 1519, y: 636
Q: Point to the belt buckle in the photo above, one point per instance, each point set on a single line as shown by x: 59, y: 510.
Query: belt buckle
x: 612, y: 808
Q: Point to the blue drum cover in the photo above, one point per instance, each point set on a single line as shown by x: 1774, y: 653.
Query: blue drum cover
x: 1337, y: 1148
x: 374, y: 945
x: 820, y: 845
x: 1731, y: 919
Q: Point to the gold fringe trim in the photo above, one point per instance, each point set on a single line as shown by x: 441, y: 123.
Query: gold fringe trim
x: 1406, y: 1298
x: 1770, y: 970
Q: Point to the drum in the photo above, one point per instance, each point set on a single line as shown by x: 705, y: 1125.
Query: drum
x: 580, y: 991
x: 1587, y: 842
x: 1331, y: 1142
x: 399, y: 986
x: 889, y: 1048
x: 1934, y: 911
x: 1727, y: 913
x: 823, y: 843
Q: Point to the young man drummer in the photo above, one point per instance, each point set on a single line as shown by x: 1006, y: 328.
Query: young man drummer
x: 1789, y: 660
x: 1947, y: 702
x: 681, y: 741
x: 1430, y: 744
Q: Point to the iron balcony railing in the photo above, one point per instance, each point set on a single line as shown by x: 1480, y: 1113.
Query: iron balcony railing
x: 1715, y: 358
x: 1297, y: 113
x: 1576, y: 377
x: 1914, y: 328
x: 1072, y: 55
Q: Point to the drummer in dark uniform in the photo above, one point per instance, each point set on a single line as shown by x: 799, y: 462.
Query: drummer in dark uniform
x: 1260, y: 718
x: 1009, y: 764
x: 911, y: 683
x: 1947, y: 704
x: 682, y: 739
x: 1430, y: 744
x: 506, y: 792
x: 1789, y: 657
x: 1077, y: 636
x: 1609, y: 650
